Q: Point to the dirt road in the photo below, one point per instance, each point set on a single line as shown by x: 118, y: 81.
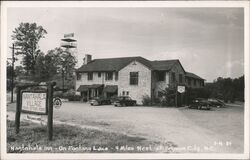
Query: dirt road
x: 219, y: 130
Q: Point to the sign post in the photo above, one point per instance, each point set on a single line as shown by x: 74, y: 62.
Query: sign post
x: 50, y: 110
x: 18, y: 109
x: 181, y: 90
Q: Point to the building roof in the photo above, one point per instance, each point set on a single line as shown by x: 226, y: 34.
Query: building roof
x: 164, y: 65
x: 116, y: 64
x: 110, y: 88
x: 83, y: 88
x: 192, y: 75
x: 86, y: 87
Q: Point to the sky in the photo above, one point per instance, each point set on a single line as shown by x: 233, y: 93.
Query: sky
x: 208, y: 41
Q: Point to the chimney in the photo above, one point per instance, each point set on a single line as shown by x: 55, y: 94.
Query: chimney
x: 87, y: 58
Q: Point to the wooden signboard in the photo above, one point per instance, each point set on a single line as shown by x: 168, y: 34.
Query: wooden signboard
x: 34, y: 102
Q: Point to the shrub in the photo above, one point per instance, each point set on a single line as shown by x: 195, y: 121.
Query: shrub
x: 69, y: 93
x: 74, y: 98
x: 58, y: 94
x: 146, y: 100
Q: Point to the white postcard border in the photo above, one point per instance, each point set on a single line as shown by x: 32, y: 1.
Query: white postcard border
x: 178, y: 4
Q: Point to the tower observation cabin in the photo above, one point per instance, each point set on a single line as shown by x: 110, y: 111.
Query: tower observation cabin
x: 68, y: 41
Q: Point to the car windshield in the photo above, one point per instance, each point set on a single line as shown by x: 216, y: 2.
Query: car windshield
x: 124, y: 98
x: 127, y: 98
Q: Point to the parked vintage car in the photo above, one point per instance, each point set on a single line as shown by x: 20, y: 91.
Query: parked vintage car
x: 124, y: 101
x: 216, y: 102
x: 200, y: 103
x: 99, y: 101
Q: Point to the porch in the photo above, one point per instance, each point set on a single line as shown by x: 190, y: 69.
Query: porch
x: 88, y: 92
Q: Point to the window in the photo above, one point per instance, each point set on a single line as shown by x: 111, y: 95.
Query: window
x: 123, y: 93
x: 78, y: 76
x: 116, y: 76
x: 194, y: 82
x: 99, y: 74
x: 133, y: 78
x: 161, y: 76
x: 127, y: 93
x: 109, y: 76
x: 90, y: 76
x: 127, y: 98
x: 173, y: 77
x: 180, y: 78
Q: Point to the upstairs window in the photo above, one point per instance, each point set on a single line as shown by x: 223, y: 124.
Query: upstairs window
x: 133, y: 78
x: 161, y: 76
x: 180, y: 78
x: 90, y: 76
x: 173, y: 77
x: 109, y: 76
x: 116, y: 76
x: 78, y: 76
x: 99, y: 74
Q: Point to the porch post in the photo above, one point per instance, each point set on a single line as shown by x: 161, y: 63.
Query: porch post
x: 88, y: 95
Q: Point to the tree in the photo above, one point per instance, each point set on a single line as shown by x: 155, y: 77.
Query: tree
x: 27, y: 36
x: 9, y: 70
x: 51, y: 66
x: 227, y: 89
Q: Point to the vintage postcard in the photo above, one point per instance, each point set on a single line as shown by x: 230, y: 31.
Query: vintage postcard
x: 125, y: 80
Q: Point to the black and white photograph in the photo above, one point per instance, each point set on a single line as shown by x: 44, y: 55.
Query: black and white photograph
x: 124, y: 80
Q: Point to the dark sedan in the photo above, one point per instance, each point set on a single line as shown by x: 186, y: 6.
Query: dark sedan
x: 216, y: 102
x: 200, y: 103
x: 99, y: 101
x: 124, y: 101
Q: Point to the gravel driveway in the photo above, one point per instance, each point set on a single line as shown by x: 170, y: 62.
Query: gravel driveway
x: 220, y: 129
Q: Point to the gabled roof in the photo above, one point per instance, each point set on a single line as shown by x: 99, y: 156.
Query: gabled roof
x: 192, y: 75
x: 116, y: 64
x: 111, y: 64
x: 165, y: 65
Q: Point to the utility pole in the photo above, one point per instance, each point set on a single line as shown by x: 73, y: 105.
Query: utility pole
x: 13, y: 59
x: 12, y: 72
x: 63, y: 79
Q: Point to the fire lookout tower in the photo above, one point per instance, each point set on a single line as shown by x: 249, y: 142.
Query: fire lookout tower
x: 68, y: 42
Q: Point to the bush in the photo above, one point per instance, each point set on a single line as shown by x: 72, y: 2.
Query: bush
x: 58, y: 94
x: 74, y: 98
x: 71, y: 95
x: 146, y: 101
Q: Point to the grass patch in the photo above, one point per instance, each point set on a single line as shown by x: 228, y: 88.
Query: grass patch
x: 32, y: 138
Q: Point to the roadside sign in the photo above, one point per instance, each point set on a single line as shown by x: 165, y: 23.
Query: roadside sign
x: 181, y: 89
x: 57, y: 103
x: 34, y: 102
